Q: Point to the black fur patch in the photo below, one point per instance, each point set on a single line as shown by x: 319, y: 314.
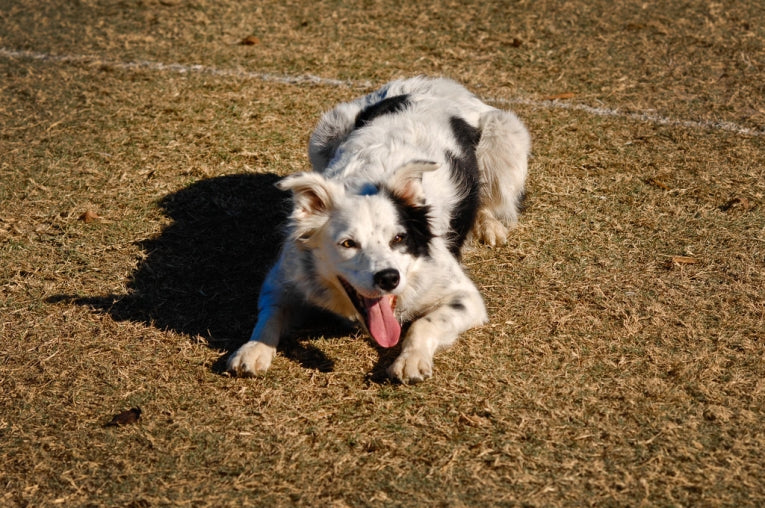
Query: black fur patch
x: 416, y: 220
x: 464, y: 175
x: 522, y: 201
x: 457, y: 304
x: 384, y: 107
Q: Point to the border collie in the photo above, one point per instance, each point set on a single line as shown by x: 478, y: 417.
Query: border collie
x: 401, y: 178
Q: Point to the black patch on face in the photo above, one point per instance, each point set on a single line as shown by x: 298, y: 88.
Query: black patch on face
x: 384, y: 107
x: 465, y: 177
x: 416, y: 221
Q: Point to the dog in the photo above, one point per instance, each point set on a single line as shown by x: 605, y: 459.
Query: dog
x: 401, y: 179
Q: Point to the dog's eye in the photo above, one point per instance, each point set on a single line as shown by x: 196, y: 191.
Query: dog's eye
x: 399, y: 238
x: 348, y: 244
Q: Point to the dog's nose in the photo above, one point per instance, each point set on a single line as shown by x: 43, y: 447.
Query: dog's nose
x: 387, y: 279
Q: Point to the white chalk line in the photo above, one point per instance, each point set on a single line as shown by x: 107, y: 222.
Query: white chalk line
x: 180, y: 68
x: 601, y: 111
x: 643, y: 116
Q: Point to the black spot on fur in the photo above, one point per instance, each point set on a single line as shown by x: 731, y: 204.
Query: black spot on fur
x: 467, y: 136
x: 416, y: 221
x: 457, y: 304
x: 464, y: 175
x: 384, y: 107
x: 522, y: 202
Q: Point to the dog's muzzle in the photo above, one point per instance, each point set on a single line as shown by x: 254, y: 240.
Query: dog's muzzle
x: 378, y: 314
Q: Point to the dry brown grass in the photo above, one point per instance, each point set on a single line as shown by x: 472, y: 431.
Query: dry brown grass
x: 624, y: 363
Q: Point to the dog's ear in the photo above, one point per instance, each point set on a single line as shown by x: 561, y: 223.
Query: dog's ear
x: 312, y: 196
x: 312, y: 193
x: 406, y: 182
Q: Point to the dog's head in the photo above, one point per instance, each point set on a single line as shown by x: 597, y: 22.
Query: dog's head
x: 365, y: 240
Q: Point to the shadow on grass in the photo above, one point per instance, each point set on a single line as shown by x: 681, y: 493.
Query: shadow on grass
x: 201, y: 276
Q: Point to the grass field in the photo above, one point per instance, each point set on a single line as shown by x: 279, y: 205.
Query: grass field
x: 624, y: 363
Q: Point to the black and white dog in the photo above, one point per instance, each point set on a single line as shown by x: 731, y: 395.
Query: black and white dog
x: 401, y: 178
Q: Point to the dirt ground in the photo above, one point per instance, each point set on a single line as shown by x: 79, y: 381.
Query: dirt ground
x: 624, y: 363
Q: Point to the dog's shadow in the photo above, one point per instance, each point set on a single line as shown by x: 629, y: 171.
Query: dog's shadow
x: 201, y: 275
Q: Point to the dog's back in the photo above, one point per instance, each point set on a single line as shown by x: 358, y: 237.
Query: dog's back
x: 482, y: 152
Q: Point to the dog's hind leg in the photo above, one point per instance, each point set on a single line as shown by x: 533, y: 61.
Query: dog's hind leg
x: 502, y: 154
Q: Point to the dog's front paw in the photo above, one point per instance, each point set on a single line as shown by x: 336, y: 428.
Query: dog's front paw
x: 411, y: 367
x: 251, y: 359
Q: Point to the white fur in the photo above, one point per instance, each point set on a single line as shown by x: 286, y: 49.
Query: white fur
x: 343, y: 224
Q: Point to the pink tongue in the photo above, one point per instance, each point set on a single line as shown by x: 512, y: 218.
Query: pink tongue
x: 381, y: 322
